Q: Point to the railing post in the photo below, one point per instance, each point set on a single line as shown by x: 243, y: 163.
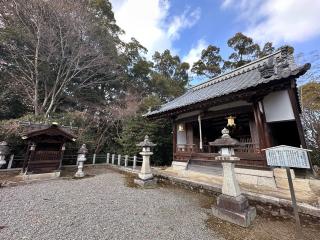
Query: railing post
x: 112, y: 158
x: 94, y: 159
x: 119, y: 159
x: 10, y: 161
x: 134, y: 162
x: 126, y: 160
x: 108, y: 158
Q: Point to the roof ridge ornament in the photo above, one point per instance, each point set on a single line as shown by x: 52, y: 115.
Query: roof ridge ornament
x: 267, y: 69
x: 282, y: 61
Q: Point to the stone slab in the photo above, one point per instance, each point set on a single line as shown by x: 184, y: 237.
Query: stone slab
x: 267, y: 182
x: 146, y: 183
x: 41, y: 176
x: 179, y: 165
x: 298, y: 184
x: 243, y: 219
x: 254, y: 172
x: 282, y: 173
x: 248, y: 179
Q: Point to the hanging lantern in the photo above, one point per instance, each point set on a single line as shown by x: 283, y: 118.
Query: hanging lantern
x: 231, y: 122
x: 181, y: 127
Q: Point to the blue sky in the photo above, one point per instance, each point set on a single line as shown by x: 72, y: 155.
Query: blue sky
x: 188, y: 26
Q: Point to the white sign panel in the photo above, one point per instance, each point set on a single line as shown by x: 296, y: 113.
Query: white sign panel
x: 287, y: 156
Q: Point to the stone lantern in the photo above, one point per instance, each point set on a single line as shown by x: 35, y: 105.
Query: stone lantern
x: 81, y: 159
x: 231, y: 206
x: 145, y: 175
x: 4, y: 150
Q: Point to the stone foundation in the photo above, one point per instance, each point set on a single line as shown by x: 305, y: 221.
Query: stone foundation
x: 146, y: 183
x: 234, y: 209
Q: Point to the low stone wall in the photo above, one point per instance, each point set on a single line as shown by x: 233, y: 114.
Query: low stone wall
x: 256, y: 177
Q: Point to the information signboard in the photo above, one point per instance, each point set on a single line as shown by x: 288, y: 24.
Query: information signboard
x: 287, y: 156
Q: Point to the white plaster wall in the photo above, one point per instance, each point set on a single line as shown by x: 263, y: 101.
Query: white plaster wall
x: 277, y: 107
x: 181, y: 137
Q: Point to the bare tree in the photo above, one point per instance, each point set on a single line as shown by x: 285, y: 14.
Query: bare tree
x: 53, y: 48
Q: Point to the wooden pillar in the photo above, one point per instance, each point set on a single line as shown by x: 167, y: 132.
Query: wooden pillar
x: 294, y: 104
x: 264, y: 136
x: 259, y: 125
x: 29, y: 157
x: 174, y: 139
x: 63, y: 148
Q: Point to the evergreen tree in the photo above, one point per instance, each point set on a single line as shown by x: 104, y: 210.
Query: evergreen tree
x: 245, y: 50
x: 209, y: 63
x: 169, y: 77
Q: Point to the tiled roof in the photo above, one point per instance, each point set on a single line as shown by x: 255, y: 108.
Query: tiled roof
x: 273, y: 67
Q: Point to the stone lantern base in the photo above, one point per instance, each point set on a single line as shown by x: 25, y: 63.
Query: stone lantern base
x: 79, y: 175
x: 234, y: 209
x: 152, y: 182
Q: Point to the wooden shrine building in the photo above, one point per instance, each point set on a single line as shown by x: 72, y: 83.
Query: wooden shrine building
x: 45, y: 149
x: 258, y: 101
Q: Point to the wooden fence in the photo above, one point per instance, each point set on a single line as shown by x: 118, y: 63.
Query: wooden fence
x: 16, y: 161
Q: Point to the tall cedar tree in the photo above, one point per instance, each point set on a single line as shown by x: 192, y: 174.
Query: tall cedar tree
x: 210, y: 62
x: 169, y: 77
x: 244, y: 51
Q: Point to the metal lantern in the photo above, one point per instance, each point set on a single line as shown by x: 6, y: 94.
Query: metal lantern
x: 231, y: 122
x: 181, y: 127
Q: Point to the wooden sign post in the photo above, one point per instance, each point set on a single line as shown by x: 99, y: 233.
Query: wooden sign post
x: 287, y: 157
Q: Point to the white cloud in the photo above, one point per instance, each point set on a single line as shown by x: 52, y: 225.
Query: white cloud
x: 149, y: 22
x: 194, y: 53
x: 279, y: 21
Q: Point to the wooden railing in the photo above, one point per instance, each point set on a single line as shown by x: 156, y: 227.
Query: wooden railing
x: 246, y: 147
x: 249, y: 154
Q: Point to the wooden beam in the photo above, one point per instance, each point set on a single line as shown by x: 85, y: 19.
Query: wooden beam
x: 218, y: 114
x: 174, y: 139
x: 295, y: 108
x: 259, y: 125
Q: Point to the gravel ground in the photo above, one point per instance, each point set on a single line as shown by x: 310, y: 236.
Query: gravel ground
x: 109, y: 206
x: 100, y: 207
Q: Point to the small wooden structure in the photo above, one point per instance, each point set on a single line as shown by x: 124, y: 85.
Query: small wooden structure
x: 45, y: 149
